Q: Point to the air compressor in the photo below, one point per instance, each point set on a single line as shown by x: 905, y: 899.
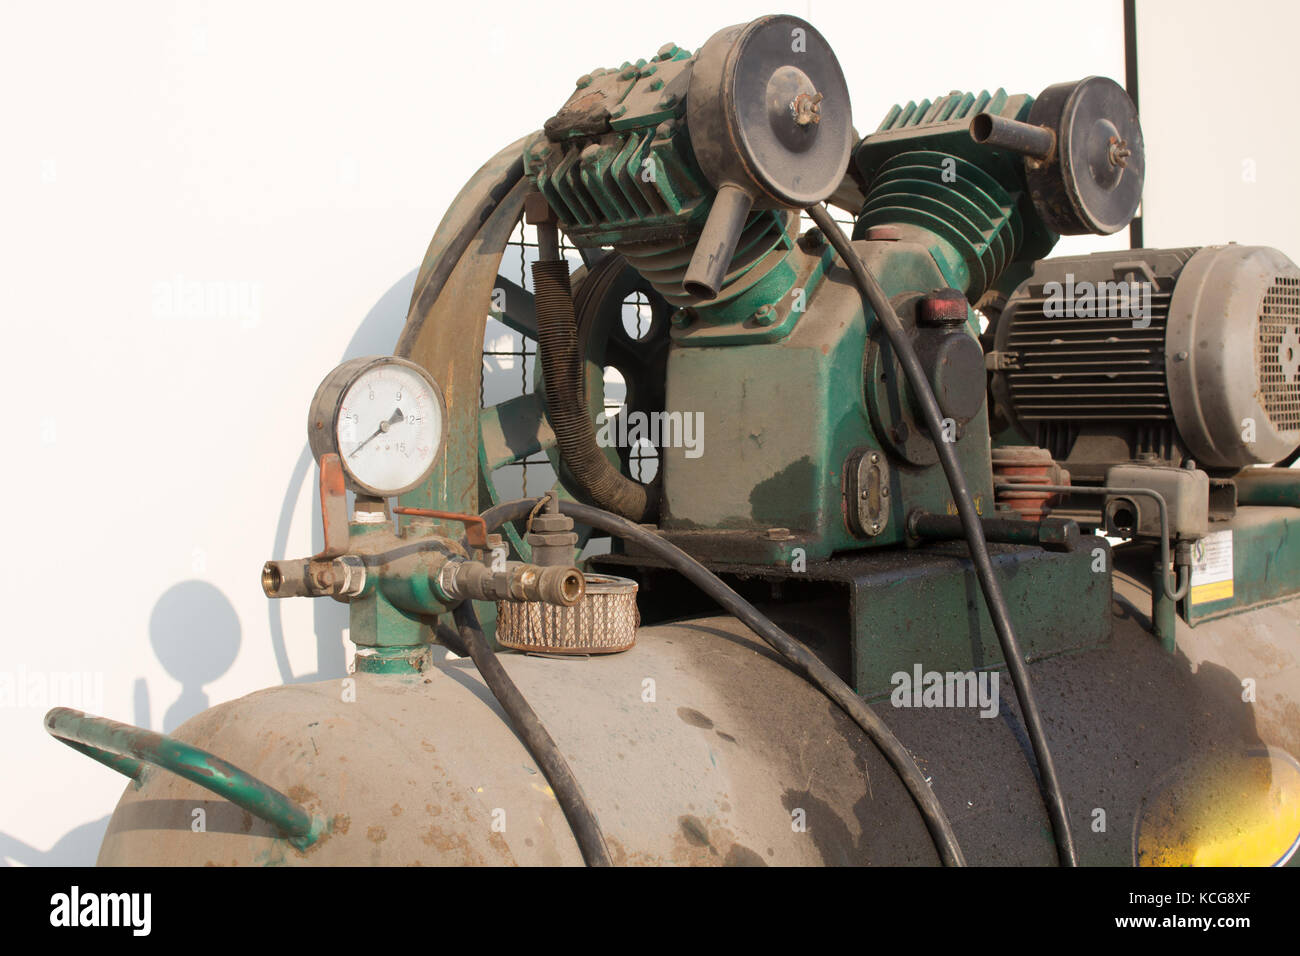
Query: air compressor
x: 875, y: 615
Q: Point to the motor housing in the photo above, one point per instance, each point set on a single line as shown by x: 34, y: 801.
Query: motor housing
x: 1153, y: 355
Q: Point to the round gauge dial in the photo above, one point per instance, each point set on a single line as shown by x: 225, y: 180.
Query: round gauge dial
x: 385, y: 418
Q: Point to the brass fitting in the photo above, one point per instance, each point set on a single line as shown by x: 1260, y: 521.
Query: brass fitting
x: 470, y: 580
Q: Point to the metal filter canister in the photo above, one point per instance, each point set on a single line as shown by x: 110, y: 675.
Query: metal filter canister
x: 603, y: 622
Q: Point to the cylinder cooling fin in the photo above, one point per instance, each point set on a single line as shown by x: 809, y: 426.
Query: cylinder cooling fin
x: 1155, y: 354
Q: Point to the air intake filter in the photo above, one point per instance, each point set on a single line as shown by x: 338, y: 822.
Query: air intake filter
x: 603, y: 622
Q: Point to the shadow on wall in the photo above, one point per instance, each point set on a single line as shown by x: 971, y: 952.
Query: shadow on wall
x: 376, y: 335
x: 78, y: 847
x: 195, y: 634
x: 195, y: 631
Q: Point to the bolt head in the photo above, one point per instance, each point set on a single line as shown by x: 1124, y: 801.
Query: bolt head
x: 764, y: 315
x: 683, y: 317
x: 667, y: 101
x: 584, y: 81
x: 668, y: 51
x: 806, y: 109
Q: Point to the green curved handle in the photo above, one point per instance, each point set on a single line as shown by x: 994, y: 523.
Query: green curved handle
x: 127, y: 749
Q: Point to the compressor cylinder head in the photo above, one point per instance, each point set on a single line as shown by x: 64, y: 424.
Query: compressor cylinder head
x: 990, y: 180
x: 692, y: 165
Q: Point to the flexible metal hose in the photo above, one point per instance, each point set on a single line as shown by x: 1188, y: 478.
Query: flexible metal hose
x: 562, y: 368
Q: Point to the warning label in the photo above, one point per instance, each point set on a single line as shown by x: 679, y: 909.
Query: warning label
x: 1212, y: 568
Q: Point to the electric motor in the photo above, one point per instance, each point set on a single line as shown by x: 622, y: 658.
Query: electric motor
x: 1154, y: 355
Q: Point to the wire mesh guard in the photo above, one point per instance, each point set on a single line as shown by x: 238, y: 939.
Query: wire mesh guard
x: 509, y: 361
x: 1277, y: 352
x: 509, y: 364
x: 603, y: 622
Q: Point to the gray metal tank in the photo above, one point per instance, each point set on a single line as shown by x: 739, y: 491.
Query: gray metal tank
x: 699, y: 747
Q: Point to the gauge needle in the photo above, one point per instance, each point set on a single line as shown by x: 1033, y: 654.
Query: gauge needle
x: 393, y: 419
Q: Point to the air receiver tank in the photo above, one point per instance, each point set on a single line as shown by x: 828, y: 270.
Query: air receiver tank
x: 1179, y: 353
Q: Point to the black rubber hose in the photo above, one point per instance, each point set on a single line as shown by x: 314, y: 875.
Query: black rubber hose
x: 803, y: 661
x: 535, y: 737
x: 596, y: 478
x: 877, y: 302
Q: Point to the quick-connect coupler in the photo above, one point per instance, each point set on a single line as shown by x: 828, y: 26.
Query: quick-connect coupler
x: 460, y: 580
x: 427, y: 581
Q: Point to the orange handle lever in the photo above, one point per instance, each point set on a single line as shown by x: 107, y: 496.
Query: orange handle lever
x: 475, y: 526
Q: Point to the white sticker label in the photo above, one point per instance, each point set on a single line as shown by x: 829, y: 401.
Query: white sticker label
x: 1212, y: 568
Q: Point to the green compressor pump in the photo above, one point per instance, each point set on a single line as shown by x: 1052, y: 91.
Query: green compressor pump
x: 872, y: 613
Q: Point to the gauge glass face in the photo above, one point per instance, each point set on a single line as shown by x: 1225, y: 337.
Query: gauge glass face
x: 389, y: 428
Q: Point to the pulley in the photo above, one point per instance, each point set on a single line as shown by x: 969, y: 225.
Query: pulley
x: 771, y: 125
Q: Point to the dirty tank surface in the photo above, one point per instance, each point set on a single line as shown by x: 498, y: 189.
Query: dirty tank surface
x: 683, y: 749
x: 426, y: 770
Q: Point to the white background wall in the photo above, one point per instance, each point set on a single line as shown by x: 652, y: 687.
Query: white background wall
x: 1216, y: 87
x: 205, y: 206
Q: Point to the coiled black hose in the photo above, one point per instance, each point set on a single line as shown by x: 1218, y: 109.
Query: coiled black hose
x: 877, y: 302
x: 804, y: 662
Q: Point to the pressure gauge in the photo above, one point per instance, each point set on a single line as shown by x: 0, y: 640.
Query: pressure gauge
x: 385, y: 418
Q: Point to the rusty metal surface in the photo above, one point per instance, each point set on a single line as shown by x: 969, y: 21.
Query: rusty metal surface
x: 475, y: 529
x: 436, y: 331
x: 1262, y: 645
x: 1027, y: 465
x: 1119, y: 718
x: 393, y: 784
x: 714, y: 770
x: 333, y: 507
x: 138, y: 753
